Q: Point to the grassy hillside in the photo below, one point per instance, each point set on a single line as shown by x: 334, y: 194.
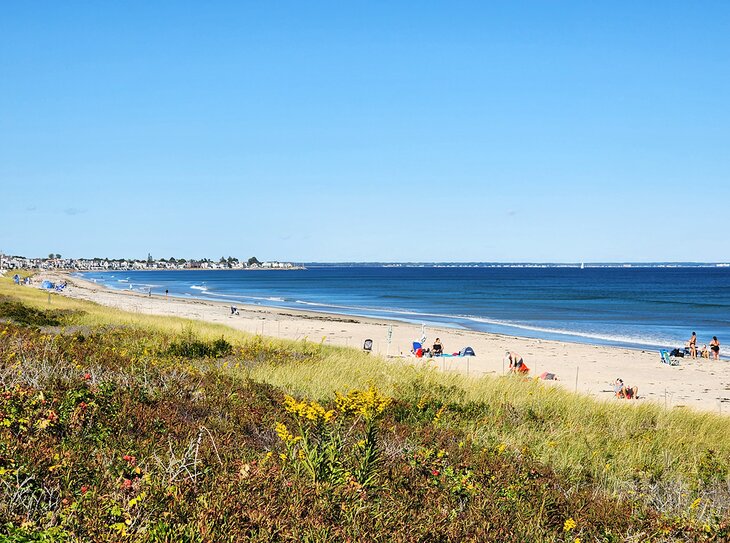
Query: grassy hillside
x: 124, y: 427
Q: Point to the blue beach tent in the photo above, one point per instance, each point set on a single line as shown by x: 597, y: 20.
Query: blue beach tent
x: 46, y: 284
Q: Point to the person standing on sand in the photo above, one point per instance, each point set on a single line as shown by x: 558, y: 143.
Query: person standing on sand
x: 166, y: 291
x: 715, y: 348
x: 693, y: 345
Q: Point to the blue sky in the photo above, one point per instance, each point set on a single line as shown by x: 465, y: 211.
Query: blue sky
x: 366, y: 131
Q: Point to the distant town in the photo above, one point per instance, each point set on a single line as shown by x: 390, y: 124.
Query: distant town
x: 57, y: 262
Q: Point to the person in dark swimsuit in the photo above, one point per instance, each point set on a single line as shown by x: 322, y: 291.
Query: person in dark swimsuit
x: 715, y: 348
x: 693, y: 345
x: 437, y: 349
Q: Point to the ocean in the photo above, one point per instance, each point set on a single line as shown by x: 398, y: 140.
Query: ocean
x: 638, y: 306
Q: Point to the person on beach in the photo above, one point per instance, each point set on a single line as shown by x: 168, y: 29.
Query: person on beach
x: 704, y: 353
x: 715, y: 348
x: 516, y: 364
x: 624, y: 392
x: 437, y: 349
x: 166, y: 292
x: 692, y: 344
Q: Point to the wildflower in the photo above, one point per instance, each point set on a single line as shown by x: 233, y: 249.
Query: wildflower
x: 87, y: 376
x: 284, y: 434
x: 84, y: 489
x: 569, y: 525
x: 312, y: 411
x: 369, y: 403
x: 127, y: 483
x: 696, y: 503
x: 435, y: 472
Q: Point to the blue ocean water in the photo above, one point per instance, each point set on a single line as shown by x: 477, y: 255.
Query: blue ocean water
x: 640, y: 307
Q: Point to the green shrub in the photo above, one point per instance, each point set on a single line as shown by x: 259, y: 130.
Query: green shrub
x: 20, y: 313
x: 191, y: 347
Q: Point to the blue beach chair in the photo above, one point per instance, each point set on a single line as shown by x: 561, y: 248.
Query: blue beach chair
x: 666, y: 359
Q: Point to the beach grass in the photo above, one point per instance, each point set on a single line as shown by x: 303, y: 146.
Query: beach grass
x: 668, y: 470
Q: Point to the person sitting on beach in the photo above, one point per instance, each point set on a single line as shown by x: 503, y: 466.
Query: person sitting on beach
x: 234, y: 310
x: 624, y: 392
x: 704, y: 353
x: 692, y: 344
x: 516, y: 364
x: 715, y: 348
x: 437, y: 349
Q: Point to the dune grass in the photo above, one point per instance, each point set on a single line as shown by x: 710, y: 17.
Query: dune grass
x: 675, y: 462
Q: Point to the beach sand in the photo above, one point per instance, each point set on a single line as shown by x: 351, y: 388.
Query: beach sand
x: 588, y: 369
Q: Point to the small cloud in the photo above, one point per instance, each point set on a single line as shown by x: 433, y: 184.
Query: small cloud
x: 73, y: 211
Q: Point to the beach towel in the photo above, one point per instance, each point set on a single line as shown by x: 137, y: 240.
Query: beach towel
x: 548, y: 376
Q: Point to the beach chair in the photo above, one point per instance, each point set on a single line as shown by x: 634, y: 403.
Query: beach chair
x: 666, y: 359
x: 368, y: 346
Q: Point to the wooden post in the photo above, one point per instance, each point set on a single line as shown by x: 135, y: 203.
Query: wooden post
x: 577, y: 369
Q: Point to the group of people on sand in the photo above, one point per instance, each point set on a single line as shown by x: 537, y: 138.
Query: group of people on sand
x: 623, y: 391
x: 704, y: 353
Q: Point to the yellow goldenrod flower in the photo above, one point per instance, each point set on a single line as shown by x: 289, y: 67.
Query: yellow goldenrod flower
x: 569, y: 525
x: 284, y: 434
x: 368, y: 404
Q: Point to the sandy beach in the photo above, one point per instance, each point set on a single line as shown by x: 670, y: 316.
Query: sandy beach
x: 588, y: 369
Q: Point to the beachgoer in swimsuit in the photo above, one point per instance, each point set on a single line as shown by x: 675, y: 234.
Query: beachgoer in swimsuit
x: 515, y: 361
x: 704, y: 353
x: 437, y: 348
x: 693, y: 345
x: 715, y: 348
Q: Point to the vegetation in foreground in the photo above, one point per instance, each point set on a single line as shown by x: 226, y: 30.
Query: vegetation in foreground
x: 141, y: 432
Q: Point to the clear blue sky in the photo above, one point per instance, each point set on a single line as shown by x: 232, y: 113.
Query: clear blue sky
x: 334, y: 131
